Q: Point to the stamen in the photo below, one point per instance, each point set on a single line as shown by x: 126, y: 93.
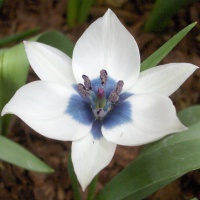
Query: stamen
x: 119, y: 87
x: 87, y: 82
x: 103, y: 77
x: 82, y: 90
x: 114, y: 97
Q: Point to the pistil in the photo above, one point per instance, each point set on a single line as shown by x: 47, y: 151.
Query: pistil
x: 101, y: 100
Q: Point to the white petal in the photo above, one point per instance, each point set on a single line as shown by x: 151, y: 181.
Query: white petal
x: 153, y: 111
x: 49, y: 63
x: 45, y: 107
x: 130, y: 135
x: 106, y: 44
x: 89, y: 156
x: 149, y: 118
x: 164, y: 79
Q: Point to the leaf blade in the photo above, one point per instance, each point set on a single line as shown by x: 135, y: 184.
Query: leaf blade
x: 17, y: 37
x: 13, y: 153
x: 162, y: 12
x: 73, y: 178
x: 158, y: 55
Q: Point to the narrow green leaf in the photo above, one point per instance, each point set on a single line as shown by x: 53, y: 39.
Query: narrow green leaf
x: 141, y: 195
x: 84, y: 10
x: 162, y: 12
x: 159, y: 163
x: 1, y: 3
x: 13, y: 74
x: 158, y: 55
x: 74, y: 181
x: 190, y: 115
x: 57, y: 40
x: 13, y: 153
x: 17, y: 37
x: 72, y: 12
x: 92, y: 188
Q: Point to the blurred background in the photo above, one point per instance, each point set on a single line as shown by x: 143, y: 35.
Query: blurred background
x: 152, y: 23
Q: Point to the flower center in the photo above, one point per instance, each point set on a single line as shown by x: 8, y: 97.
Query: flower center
x: 98, y: 102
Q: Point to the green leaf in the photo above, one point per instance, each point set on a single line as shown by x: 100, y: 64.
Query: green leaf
x: 92, y: 188
x: 73, y: 178
x: 190, y: 116
x: 57, y: 40
x: 13, y: 74
x: 140, y: 195
x: 17, y: 37
x: 159, y: 163
x: 1, y: 3
x: 84, y: 10
x: 72, y: 12
x: 13, y: 153
x: 158, y: 55
x: 162, y: 12
x: 78, y: 11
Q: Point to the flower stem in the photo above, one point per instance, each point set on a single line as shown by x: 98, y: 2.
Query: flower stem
x: 91, y: 188
x: 74, y: 181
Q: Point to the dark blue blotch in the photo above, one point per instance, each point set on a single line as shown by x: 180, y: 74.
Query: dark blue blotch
x: 110, y: 85
x: 96, y: 129
x: 124, y: 96
x: 80, y: 110
x: 121, y: 114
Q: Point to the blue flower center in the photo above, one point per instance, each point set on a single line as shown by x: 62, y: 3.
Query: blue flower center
x: 99, y: 103
x: 101, y: 99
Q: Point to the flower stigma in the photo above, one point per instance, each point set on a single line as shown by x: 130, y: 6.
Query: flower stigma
x: 98, y: 102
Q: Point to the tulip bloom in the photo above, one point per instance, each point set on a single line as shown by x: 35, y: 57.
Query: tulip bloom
x: 99, y: 98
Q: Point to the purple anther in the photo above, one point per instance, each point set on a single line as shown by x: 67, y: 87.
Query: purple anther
x: 103, y: 76
x: 82, y: 90
x: 114, y: 97
x: 119, y: 87
x: 87, y: 82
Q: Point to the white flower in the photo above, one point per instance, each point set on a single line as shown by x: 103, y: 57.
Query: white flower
x: 122, y: 106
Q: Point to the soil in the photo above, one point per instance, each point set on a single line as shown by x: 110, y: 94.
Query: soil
x: 16, y: 16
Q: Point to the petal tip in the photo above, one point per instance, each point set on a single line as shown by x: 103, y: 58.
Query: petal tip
x: 108, y: 13
x: 180, y: 127
x: 109, y: 10
x: 26, y: 43
x: 196, y: 67
x: 192, y: 67
x: 3, y: 112
x: 83, y: 187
